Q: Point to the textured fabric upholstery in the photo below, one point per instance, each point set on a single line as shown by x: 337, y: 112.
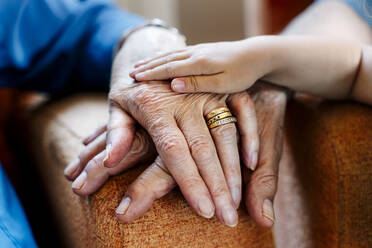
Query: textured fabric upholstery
x: 57, y: 131
x: 324, y: 191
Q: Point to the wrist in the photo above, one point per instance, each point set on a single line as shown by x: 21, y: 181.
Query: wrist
x: 141, y: 44
x: 262, y: 51
x: 153, y: 23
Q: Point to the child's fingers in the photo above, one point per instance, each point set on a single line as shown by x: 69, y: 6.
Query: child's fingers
x: 169, y: 70
x: 160, y: 61
x: 215, y: 83
x: 142, y: 62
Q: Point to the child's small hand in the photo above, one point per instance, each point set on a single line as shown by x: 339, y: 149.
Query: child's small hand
x: 223, y: 67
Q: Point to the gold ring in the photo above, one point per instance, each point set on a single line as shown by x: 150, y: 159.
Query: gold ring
x: 216, y: 112
x: 219, y: 117
x: 222, y: 122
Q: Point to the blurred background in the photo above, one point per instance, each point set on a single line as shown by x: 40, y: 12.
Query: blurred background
x: 199, y: 20
x: 219, y: 20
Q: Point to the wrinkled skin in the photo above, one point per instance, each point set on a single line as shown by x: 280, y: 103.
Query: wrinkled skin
x: 156, y: 181
x: 177, y: 127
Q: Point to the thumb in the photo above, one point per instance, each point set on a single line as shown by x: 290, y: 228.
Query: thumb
x: 120, y: 136
x: 262, y: 183
x: 207, y: 83
x: 260, y: 193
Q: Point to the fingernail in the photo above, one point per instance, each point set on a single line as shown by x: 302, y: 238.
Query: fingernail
x: 206, y: 208
x: 178, y: 85
x: 236, y: 195
x: 108, y: 150
x: 71, y: 168
x: 268, y: 210
x: 80, y: 181
x: 139, y: 63
x: 140, y: 76
x: 135, y: 71
x: 123, y: 207
x: 230, y: 216
x: 132, y: 74
x: 253, y: 160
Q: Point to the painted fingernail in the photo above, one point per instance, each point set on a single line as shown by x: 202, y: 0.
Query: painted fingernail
x: 178, y: 85
x: 230, y: 216
x: 253, y: 160
x: 80, y: 181
x: 71, y: 168
x: 123, y: 207
x: 206, y: 208
x: 236, y: 195
x: 108, y: 150
x: 268, y: 210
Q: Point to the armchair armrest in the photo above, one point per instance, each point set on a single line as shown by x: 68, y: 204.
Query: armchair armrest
x: 331, y: 144
x: 56, y: 131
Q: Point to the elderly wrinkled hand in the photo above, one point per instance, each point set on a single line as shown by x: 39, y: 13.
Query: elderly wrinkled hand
x: 156, y: 181
x: 204, y: 163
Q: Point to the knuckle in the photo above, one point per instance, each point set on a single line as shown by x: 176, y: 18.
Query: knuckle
x: 200, y: 147
x: 156, y: 124
x: 143, y: 96
x: 265, y: 182
x: 245, y: 99
x: 219, y: 190
x: 84, y: 155
x: 169, y: 143
x: 140, y: 147
x: 168, y: 67
x: 227, y: 131
x: 95, y: 162
x: 137, y: 189
x: 193, y: 83
x: 202, y: 59
x: 190, y: 182
x: 233, y: 172
x: 241, y: 100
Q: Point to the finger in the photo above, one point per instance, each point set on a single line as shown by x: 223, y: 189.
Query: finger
x: 262, y: 184
x: 243, y: 108
x: 225, y: 139
x: 205, y: 156
x: 94, y: 135
x: 90, y: 151
x: 143, y: 62
x: 174, y: 152
x: 226, y: 143
x: 95, y: 174
x: 210, y: 83
x: 169, y: 70
x: 160, y: 61
x: 152, y: 184
x: 120, y: 134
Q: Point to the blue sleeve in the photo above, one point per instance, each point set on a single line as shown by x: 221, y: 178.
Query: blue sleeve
x: 47, y: 45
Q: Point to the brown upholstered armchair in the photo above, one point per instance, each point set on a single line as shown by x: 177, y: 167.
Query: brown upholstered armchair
x: 324, y: 188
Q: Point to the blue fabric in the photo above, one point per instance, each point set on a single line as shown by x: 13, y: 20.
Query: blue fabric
x: 362, y: 7
x: 14, y: 228
x: 44, y: 44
